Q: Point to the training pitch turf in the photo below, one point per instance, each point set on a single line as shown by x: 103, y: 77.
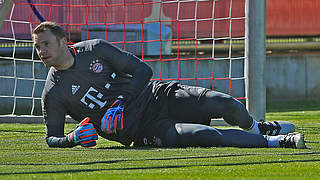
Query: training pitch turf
x: 25, y: 155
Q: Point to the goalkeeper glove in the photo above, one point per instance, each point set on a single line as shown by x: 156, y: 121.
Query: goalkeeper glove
x: 84, y: 134
x: 113, y: 118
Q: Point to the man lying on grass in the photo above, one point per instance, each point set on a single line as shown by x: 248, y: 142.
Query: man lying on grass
x: 110, y: 93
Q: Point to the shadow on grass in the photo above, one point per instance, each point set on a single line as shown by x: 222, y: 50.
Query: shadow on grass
x: 268, y: 162
x: 159, y: 159
x: 94, y: 170
x: 163, y: 167
x: 21, y: 131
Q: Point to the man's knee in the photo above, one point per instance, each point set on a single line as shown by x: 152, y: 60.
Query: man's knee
x: 171, y: 137
x: 232, y: 104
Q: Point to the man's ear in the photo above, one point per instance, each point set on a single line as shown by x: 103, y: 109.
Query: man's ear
x: 64, y: 40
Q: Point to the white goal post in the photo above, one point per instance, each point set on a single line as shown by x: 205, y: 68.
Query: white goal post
x: 256, y: 58
x: 219, y: 44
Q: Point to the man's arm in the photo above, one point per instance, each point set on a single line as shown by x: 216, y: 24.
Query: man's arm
x: 128, y: 63
x: 54, y: 115
x: 141, y: 75
x: 59, y: 142
x: 54, y: 118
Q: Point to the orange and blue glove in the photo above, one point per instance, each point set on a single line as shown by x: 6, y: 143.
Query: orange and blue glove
x: 84, y: 134
x: 112, y: 120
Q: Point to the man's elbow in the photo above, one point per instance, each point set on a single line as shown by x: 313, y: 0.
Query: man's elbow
x: 148, y: 71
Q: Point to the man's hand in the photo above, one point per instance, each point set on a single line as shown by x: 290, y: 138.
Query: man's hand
x: 84, y: 134
x: 112, y: 120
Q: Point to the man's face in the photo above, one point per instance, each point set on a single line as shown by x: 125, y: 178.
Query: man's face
x: 48, y: 48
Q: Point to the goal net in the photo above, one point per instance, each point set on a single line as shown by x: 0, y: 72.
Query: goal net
x: 197, y: 42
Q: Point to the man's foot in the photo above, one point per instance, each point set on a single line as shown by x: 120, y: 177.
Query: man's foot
x: 293, y: 141
x: 275, y: 128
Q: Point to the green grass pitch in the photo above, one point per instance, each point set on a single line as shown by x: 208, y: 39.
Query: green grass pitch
x: 25, y: 155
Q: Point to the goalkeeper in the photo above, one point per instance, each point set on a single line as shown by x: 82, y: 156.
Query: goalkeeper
x: 110, y: 93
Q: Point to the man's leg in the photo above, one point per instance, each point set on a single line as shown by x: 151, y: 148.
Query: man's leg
x: 199, y: 105
x: 186, y: 135
x: 190, y: 104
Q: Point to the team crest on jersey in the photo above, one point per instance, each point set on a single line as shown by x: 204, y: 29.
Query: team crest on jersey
x: 96, y: 66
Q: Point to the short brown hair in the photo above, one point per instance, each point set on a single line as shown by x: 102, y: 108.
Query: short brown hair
x: 51, y: 26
